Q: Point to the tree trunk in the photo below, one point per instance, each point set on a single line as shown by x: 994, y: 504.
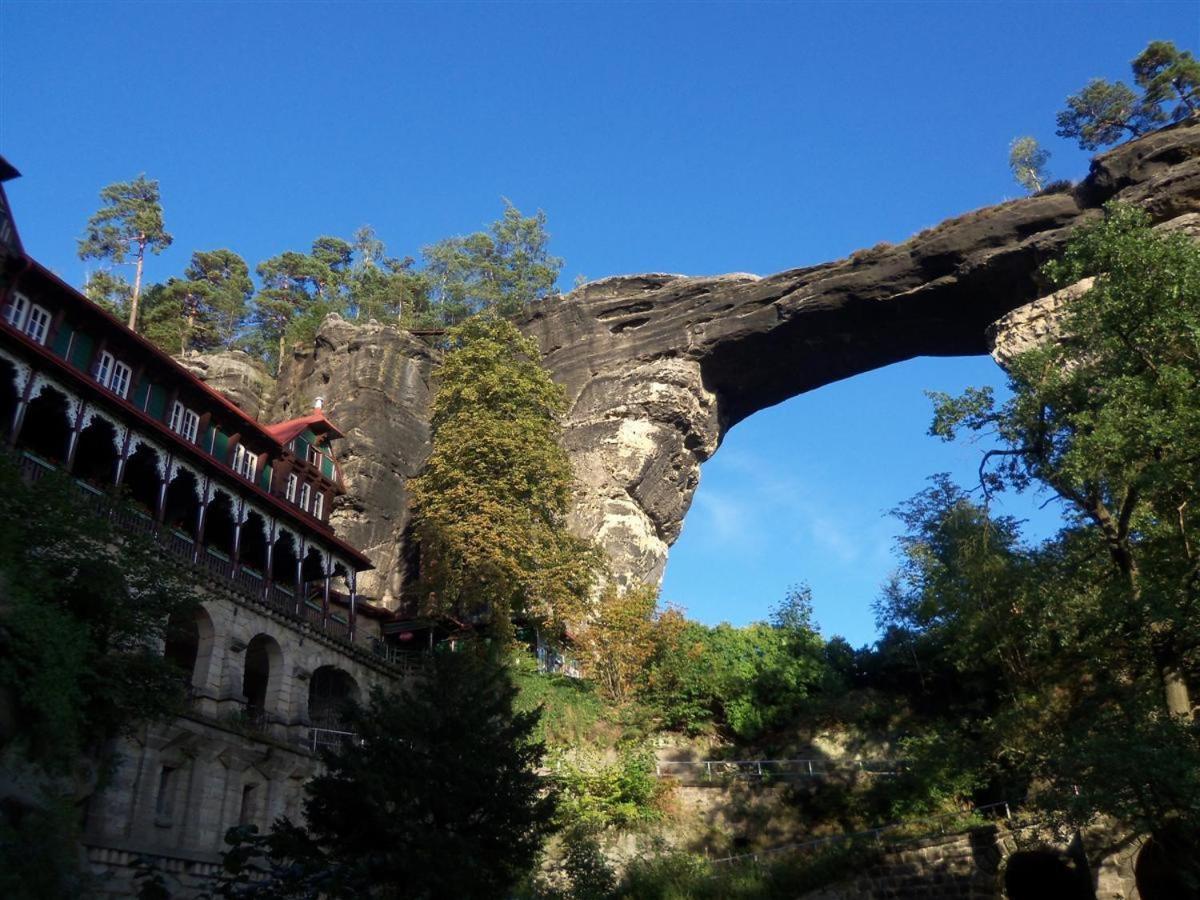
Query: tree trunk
x: 137, y: 284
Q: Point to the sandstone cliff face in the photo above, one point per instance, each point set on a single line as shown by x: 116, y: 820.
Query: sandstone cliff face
x: 658, y: 367
x: 238, y: 376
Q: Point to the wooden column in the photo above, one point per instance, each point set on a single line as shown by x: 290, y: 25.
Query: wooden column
x: 353, y: 579
x: 124, y: 457
x: 325, y: 604
x: 22, y: 405
x: 201, y: 514
x: 73, y: 440
x: 163, y: 478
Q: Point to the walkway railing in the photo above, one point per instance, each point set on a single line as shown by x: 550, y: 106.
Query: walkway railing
x: 328, y: 739
x: 710, y: 769
x: 1000, y: 809
x: 247, y: 582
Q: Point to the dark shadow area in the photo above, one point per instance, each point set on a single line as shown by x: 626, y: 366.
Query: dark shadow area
x: 1044, y: 874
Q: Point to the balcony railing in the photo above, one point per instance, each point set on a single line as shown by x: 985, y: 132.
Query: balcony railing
x: 246, y: 581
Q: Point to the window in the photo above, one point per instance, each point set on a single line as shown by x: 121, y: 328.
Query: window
x: 305, y: 493
x: 114, y: 375
x: 38, y: 324
x: 184, y: 421
x: 318, y: 504
x: 290, y: 490
x: 314, y: 455
x: 164, y: 804
x: 18, y: 311
x: 244, y: 462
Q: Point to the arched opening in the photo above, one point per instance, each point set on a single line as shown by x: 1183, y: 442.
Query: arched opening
x: 46, y: 430
x: 1036, y: 874
x: 260, y: 677
x: 329, y: 691
x: 141, y: 479
x: 8, y: 396
x: 97, y: 454
x: 252, y: 550
x: 283, y: 562
x: 189, y: 639
x: 1157, y: 874
x: 219, y: 526
x: 182, y: 507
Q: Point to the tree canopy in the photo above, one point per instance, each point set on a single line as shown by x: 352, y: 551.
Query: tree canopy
x: 128, y: 224
x: 437, y: 796
x: 490, y: 506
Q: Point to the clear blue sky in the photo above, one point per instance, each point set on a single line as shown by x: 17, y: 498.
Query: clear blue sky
x: 695, y: 138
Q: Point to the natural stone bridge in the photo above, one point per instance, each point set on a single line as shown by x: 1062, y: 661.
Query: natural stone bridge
x: 658, y: 367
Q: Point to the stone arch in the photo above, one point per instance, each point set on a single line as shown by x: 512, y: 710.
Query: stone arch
x: 220, y: 520
x: 1036, y: 874
x: 10, y: 394
x: 182, y: 505
x: 189, y: 644
x: 329, y: 690
x: 47, y: 426
x: 97, y: 452
x: 142, y: 476
x: 284, y: 556
x: 262, y: 675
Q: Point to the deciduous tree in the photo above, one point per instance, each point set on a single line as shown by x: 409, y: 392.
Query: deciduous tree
x: 1027, y: 160
x: 490, y: 506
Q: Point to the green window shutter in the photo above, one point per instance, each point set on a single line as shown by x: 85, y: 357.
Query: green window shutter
x: 62, y: 340
x: 302, y: 447
x: 221, y: 447
x: 264, y: 479
x: 327, y: 467
x: 81, y: 351
x: 139, y: 394
x: 158, y: 401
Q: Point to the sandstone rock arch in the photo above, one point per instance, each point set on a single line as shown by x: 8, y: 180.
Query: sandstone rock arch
x: 658, y: 367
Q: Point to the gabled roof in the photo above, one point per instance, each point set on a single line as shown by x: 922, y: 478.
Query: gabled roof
x: 285, y: 431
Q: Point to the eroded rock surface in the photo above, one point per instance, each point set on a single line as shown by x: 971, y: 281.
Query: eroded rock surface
x: 237, y: 375
x: 658, y: 367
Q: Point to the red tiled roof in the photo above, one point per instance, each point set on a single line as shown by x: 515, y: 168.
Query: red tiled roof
x: 285, y: 431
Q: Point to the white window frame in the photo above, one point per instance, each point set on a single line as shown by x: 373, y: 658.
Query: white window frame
x: 122, y: 377
x: 289, y: 490
x: 184, y: 422
x: 105, y: 368
x: 245, y: 463
x: 305, y: 495
x: 114, y: 374
x: 314, y: 456
x: 18, y: 311
x: 318, y: 506
x: 37, y: 325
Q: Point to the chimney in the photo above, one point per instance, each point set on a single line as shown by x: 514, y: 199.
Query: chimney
x: 318, y: 403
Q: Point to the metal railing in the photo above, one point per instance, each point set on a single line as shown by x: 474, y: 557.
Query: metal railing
x: 711, y: 769
x: 328, y: 739
x: 409, y: 661
x: 997, y: 810
x: 249, y: 583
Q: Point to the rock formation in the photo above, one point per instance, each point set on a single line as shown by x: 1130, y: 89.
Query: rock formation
x: 658, y: 367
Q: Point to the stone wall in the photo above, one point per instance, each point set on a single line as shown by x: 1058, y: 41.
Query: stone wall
x: 179, y: 786
x: 999, y: 863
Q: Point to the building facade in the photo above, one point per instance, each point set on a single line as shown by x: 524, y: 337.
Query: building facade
x: 281, y: 638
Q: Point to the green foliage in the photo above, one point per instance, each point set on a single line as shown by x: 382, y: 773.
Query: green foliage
x: 619, y: 793
x: 438, y: 796
x: 1104, y: 112
x: 108, y: 291
x: 571, y: 709
x: 505, y: 270
x: 82, y: 613
x: 747, y: 680
x: 1027, y: 160
x: 1103, y: 622
x: 128, y: 224
x: 588, y: 872
x: 490, y: 506
x: 1169, y: 75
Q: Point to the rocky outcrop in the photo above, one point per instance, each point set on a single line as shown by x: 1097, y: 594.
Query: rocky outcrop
x: 237, y: 375
x: 658, y: 367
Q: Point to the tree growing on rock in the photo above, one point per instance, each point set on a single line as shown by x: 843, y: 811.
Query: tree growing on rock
x: 128, y: 224
x: 1027, y: 160
x: 1104, y: 112
x: 490, y: 506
